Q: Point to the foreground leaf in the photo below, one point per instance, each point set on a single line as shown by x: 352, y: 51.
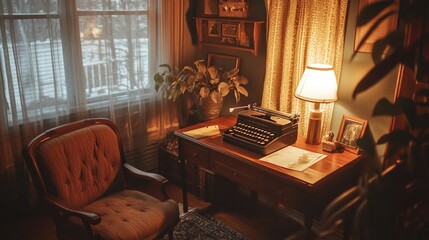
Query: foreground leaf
x: 377, y: 73
x: 385, y: 108
x: 398, y: 137
x: 371, y: 11
x: 371, y: 30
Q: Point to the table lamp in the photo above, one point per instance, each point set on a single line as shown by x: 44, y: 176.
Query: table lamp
x: 318, y: 85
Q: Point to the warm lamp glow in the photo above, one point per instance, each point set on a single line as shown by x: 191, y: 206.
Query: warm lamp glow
x: 319, y: 85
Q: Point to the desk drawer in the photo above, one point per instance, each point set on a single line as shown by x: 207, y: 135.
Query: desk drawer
x: 195, y: 154
x: 283, y: 192
x: 235, y: 170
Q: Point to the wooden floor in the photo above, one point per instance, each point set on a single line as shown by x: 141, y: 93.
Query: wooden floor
x: 245, y: 214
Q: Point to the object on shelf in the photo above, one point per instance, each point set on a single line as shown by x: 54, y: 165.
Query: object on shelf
x: 233, y: 8
x: 238, y: 34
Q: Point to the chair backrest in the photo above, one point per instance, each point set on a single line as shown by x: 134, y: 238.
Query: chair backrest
x: 77, y: 162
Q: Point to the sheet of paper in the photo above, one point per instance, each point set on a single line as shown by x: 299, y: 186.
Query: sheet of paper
x: 203, y: 132
x: 293, y: 158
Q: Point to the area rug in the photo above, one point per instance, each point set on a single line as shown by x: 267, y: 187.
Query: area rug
x: 196, y: 224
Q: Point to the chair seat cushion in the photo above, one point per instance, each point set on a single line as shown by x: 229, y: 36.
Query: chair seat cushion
x: 130, y: 214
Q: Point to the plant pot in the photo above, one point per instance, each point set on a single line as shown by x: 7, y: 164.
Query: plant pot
x: 207, y: 109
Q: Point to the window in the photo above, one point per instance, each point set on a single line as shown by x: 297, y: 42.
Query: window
x: 58, y: 55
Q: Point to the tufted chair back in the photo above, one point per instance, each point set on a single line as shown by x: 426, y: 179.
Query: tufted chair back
x: 82, y: 165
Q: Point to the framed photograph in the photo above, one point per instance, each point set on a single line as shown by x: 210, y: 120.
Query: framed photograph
x: 351, y: 129
x: 230, y: 29
x: 210, y: 7
x: 225, y: 62
x: 214, y: 28
x: 381, y: 31
x: 233, y: 8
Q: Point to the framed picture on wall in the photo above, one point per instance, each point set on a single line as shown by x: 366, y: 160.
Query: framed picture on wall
x: 351, y: 129
x: 230, y: 29
x: 225, y: 62
x: 214, y: 28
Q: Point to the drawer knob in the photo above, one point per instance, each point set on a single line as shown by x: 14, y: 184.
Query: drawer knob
x: 195, y: 155
x: 235, y: 174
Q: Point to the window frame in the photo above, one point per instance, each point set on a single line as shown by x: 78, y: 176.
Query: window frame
x: 68, y: 15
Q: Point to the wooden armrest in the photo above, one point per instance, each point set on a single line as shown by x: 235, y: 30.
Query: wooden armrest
x: 86, y: 217
x: 148, y: 182
x: 156, y: 178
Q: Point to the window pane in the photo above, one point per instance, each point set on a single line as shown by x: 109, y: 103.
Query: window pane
x: 36, y: 78
x: 30, y: 7
x: 112, y: 5
x: 114, y: 53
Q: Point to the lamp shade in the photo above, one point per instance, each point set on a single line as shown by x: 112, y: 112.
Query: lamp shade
x: 318, y: 84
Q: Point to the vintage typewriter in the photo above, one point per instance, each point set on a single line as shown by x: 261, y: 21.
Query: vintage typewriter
x: 263, y: 131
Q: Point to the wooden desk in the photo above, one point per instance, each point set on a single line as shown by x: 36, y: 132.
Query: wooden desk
x: 307, y: 192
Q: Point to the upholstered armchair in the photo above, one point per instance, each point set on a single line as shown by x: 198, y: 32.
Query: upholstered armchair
x: 80, y: 172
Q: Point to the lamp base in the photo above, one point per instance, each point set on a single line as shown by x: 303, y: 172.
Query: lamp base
x: 314, y: 131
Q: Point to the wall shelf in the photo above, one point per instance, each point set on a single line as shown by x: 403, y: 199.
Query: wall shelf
x: 230, y: 33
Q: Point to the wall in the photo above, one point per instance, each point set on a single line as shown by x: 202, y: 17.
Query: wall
x: 251, y: 66
x: 352, y: 72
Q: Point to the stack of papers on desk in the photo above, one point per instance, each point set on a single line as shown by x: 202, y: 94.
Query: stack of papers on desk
x: 203, y: 132
x: 293, y: 158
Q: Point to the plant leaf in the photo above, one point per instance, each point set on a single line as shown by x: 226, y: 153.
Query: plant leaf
x: 214, y: 81
x: 233, y: 72
x: 182, y: 87
x: 407, y: 106
x: 166, y: 66
x: 242, y: 90
x: 188, y: 68
x: 223, y: 89
x: 393, y: 40
x: 398, y: 137
x: 422, y: 70
x: 377, y: 72
x: 371, y: 30
x: 213, y: 72
x: 158, y: 81
x: 371, y: 11
x: 201, y: 67
x: 385, y: 108
x: 199, y: 76
x: 216, y: 96
x: 367, y: 144
x: 243, y: 80
x: 237, y: 96
x: 204, y: 92
x: 378, y: 50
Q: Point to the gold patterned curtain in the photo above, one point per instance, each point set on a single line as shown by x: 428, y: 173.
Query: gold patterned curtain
x: 299, y: 33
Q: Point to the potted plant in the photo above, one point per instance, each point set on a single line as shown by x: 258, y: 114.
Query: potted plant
x: 208, y: 85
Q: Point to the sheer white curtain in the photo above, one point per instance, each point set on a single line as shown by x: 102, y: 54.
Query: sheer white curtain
x: 64, y: 60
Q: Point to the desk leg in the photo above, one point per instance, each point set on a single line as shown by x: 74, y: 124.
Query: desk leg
x: 184, y: 185
x: 308, y: 222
